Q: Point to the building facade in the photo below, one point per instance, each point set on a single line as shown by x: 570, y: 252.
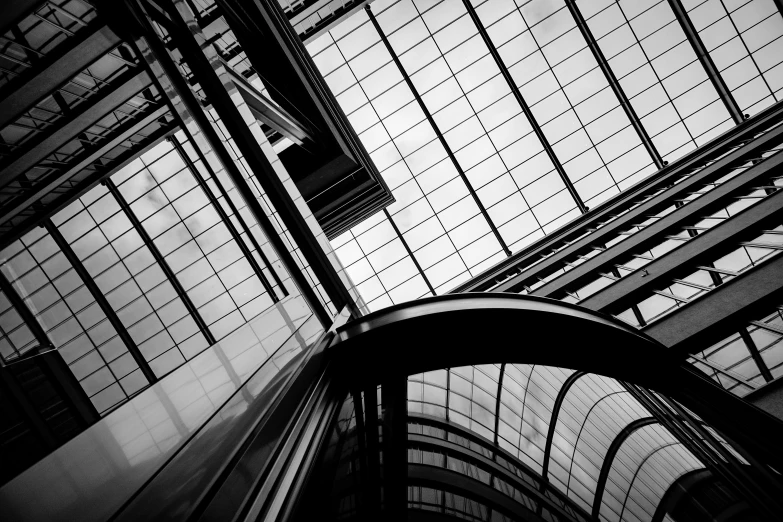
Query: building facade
x: 219, y: 219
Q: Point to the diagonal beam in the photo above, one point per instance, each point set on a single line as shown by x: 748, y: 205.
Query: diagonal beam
x: 84, y: 117
x: 706, y: 61
x: 93, y: 154
x: 54, y: 70
x: 625, y: 103
x: 550, y: 152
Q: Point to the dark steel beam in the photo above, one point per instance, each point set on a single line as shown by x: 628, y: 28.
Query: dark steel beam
x: 437, y: 131
x: 91, y: 155
x: 754, y: 353
x: 721, y: 311
x: 408, y: 250
x: 56, y: 68
x: 226, y: 219
x: 550, y: 436
x: 162, y: 263
x: 201, y: 133
x: 659, y: 200
x: 606, y: 467
x: 77, y: 121
x: 606, y: 69
x: 703, y: 248
x: 106, y: 308
x: 524, y: 106
x: 206, y: 65
x: 24, y: 312
x: 497, y: 403
x: 706, y: 61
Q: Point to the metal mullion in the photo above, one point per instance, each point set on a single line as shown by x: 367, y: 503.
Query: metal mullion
x: 175, y: 283
x: 706, y: 61
x: 756, y: 355
x: 27, y: 317
x: 408, y: 250
x: 768, y: 326
x: 437, y: 131
x: 224, y: 217
x: 723, y: 371
x: 100, y: 299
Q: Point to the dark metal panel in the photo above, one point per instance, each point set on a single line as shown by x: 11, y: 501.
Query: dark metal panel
x: 123, y: 133
x: 437, y: 131
x: 205, y: 64
x: 226, y: 220
x: 702, y: 247
x: 561, y: 395
x: 191, y: 115
x: 106, y: 308
x: 55, y: 69
x: 27, y: 316
x: 573, y: 231
x: 706, y: 61
x: 612, y: 229
x: 82, y: 118
x: 164, y: 266
x: 606, y: 467
x: 721, y: 311
x: 525, y: 108
x: 613, y: 83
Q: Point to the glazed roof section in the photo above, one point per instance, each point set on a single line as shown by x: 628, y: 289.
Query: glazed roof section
x: 488, y: 173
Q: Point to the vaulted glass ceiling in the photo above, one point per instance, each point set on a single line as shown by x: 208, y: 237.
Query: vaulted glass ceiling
x: 496, y: 122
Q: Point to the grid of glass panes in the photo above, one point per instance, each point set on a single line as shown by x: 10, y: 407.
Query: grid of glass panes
x: 165, y: 197
x: 267, y: 206
x: 744, y: 41
x: 72, y: 319
x: 764, y: 245
x: 568, y: 94
x: 659, y: 72
x: 729, y: 362
x: 125, y: 271
x: 15, y: 336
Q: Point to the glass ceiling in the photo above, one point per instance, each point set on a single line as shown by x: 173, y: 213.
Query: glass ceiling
x: 500, y: 189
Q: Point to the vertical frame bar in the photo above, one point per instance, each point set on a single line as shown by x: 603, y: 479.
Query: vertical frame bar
x: 706, y: 61
x: 550, y: 152
x: 106, y: 308
x: 437, y: 131
x: 167, y: 271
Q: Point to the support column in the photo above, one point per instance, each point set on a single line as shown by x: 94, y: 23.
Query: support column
x: 706, y: 61
x: 525, y: 108
x: 435, y: 128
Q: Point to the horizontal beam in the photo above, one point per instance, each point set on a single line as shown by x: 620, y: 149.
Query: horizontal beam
x: 84, y: 117
x: 721, y: 311
x: 54, y: 70
x: 616, y: 205
x: 702, y: 247
x: 611, y: 230
x: 126, y: 131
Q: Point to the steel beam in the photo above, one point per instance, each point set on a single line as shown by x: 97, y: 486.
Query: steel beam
x: 408, y: 250
x: 43, y: 188
x: 606, y: 467
x: 524, y: 106
x: 100, y: 299
x: 703, y: 247
x: 24, y: 312
x: 80, y: 119
x: 550, y: 436
x: 162, y: 263
x: 573, y: 231
x: 613, y: 229
x: 206, y: 65
x: 706, y: 61
x: 226, y: 219
x: 754, y: 353
x: 56, y: 68
x: 721, y: 311
x: 437, y: 131
x: 625, y: 103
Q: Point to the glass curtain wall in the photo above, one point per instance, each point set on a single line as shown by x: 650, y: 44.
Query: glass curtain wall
x: 436, y: 234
